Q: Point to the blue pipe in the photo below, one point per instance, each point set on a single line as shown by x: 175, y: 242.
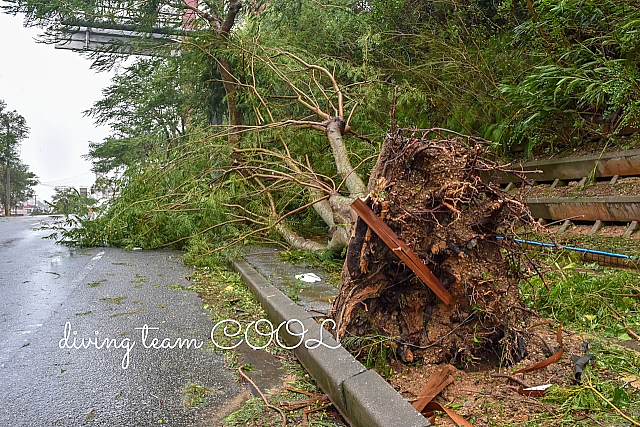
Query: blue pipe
x: 571, y: 248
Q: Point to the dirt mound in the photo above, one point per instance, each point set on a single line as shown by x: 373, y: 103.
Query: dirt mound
x: 429, y: 192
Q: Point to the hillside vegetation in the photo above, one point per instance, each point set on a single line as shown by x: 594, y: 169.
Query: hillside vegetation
x: 268, y: 121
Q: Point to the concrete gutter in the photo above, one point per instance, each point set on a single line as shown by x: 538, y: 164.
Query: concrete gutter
x: 361, y: 396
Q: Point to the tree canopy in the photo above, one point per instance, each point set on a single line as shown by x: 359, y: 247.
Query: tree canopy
x: 23, y: 182
x: 13, y: 130
x: 69, y: 201
x: 262, y: 118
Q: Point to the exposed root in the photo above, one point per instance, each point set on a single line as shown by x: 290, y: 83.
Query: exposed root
x: 433, y: 195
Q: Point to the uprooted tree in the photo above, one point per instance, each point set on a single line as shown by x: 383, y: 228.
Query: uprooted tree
x: 470, y: 66
x: 431, y: 194
x: 165, y: 128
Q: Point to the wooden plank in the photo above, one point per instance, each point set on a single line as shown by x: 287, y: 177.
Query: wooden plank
x: 441, y: 378
x: 632, y: 227
x: 458, y: 419
x: 401, y: 249
x: 596, y: 227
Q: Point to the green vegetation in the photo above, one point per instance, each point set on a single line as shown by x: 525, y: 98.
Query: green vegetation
x: 330, y: 261
x: 256, y: 414
x: 95, y: 284
x: 374, y: 351
x: 113, y: 300
x: 128, y: 313
x: 140, y: 279
x: 601, y: 304
x: 233, y: 140
x: 69, y: 201
x: 195, y: 394
x: 266, y: 126
x: 14, y: 173
x: 22, y: 185
x: 226, y: 297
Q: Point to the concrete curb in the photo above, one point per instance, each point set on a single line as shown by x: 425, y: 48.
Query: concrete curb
x: 361, y: 396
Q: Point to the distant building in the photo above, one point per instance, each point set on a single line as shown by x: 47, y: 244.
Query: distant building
x: 82, y: 190
x: 27, y: 208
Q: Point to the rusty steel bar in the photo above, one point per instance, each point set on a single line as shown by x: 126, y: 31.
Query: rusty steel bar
x: 613, y: 209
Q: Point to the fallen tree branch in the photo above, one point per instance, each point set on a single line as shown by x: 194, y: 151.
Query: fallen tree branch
x: 266, y: 402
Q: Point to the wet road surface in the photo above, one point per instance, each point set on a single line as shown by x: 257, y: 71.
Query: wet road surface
x: 51, y: 295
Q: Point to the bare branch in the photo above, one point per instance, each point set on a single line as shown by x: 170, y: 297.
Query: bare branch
x: 328, y: 74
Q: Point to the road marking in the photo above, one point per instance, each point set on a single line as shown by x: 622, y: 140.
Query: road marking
x: 98, y: 256
x: 89, y: 266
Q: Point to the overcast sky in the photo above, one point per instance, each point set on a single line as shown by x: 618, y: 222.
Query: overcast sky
x: 50, y: 88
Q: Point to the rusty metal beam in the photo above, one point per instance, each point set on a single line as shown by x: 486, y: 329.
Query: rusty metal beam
x: 402, y: 251
x: 622, y: 163
x: 614, y: 209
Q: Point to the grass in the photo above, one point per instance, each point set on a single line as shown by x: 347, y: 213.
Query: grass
x: 373, y: 351
x: 194, y: 394
x: 255, y: 413
x: 293, y: 288
x: 325, y: 259
x: 226, y: 297
x: 603, y: 301
x: 95, y: 284
x: 598, y: 242
x: 128, y: 313
x: 602, y: 305
x: 114, y: 300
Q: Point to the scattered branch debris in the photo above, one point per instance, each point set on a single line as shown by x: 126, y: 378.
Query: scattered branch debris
x: 512, y: 378
x: 548, y: 361
x: 437, y: 382
x: 264, y: 398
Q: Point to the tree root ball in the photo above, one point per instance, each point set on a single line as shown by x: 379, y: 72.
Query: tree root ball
x: 431, y: 194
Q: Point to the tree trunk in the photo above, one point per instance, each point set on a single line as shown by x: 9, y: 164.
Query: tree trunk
x: 7, y: 191
x: 230, y: 88
x: 353, y: 182
x: 296, y: 240
x: 430, y: 194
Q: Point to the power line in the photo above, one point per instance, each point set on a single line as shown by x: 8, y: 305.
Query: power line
x: 49, y: 183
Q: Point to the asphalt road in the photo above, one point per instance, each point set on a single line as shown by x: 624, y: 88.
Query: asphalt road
x: 51, y: 295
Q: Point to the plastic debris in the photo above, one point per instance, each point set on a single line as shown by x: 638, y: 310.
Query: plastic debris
x: 308, y: 278
x: 537, y: 391
x: 579, y: 363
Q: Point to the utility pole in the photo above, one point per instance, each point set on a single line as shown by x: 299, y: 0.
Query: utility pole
x: 7, y: 191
